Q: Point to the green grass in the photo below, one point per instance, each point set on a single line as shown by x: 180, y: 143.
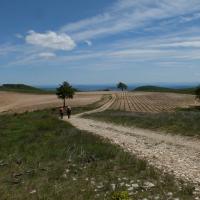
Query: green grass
x: 149, y: 88
x: 42, y: 157
x: 185, y: 122
x: 23, y: 89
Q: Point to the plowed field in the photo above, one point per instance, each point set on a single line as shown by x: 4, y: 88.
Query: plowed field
x: 151, y: 102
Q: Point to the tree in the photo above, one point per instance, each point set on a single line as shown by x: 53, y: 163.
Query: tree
x: 65, y: 91
x: 197, y: 93
x: 122, y: 86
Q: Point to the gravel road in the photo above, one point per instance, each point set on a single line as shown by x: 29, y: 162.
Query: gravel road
x: 175, y: 155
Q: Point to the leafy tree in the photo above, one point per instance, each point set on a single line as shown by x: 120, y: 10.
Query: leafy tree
x: 122, y: 86
x: 65, y: 91
x: 197, y: 93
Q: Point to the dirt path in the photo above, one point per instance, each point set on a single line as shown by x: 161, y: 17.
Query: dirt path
x: 173, y: 154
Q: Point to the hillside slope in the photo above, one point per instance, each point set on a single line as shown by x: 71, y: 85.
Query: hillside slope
x: 22, y: 88
x: 150, y: 88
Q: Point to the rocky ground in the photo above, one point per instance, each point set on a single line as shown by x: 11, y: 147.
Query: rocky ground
x: 175, y: 155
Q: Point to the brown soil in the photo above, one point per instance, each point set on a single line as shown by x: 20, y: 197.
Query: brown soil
x: 151, y: 102
x: 18, y: 102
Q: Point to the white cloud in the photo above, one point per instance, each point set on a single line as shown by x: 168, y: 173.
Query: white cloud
x: 190, y: 18
x: 181, y: 41
x: 88, y: 42
x: 51, y: 40
x: 190, y: 44
x: 160, y: 18
x: 127, y: 15
x: 47, y: 55
x: 6, y: 49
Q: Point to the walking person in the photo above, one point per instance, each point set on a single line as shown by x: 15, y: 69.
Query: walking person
x: 69, y: 111
x: 61, y: 110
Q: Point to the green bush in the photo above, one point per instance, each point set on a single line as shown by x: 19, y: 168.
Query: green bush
x: 123, y: 195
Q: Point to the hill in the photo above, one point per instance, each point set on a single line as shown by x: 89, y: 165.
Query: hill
x: 22, y: 88
x: 150, y: 88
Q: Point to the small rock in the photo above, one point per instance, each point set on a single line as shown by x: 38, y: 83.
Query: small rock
x: 135, y: 185
x: 15, y: 175
x: 33, y: 192
x: 100, y: 186
x: 64, y: 175
x: 122, y: 184
x: 31, y: 171
x: 169, y: 194
x: 113, y: 186
x: 67, y: 170
x: 149, y: 184
x: 92, y: 182
x: 130, y: 188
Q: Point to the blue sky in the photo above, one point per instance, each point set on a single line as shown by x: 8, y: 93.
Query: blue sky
x: 90, y: 42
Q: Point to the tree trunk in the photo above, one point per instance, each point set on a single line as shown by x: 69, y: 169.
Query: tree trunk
x: 64, y: 102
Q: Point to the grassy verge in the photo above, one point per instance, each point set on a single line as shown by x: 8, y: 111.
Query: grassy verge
x: 185, y: 122
x: 42, y: 157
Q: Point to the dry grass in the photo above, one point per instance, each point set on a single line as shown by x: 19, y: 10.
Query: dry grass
x: 42, y: 157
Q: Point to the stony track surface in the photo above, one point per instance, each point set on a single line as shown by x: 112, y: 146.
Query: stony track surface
x: 175, y: 155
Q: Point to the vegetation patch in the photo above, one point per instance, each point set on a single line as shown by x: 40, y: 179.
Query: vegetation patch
x: 42, y: 157
x: 149, y: 88
x: 183, y: 121
x: 23, y: 89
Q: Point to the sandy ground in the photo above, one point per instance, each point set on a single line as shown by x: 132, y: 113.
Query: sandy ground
x: 173, y: 154
x: 18, y: 102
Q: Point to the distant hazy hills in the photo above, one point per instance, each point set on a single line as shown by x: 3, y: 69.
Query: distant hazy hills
x: 150, y: 88
x: 22, y: 88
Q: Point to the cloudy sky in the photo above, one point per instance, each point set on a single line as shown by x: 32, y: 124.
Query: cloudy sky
x: 99, y: 41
